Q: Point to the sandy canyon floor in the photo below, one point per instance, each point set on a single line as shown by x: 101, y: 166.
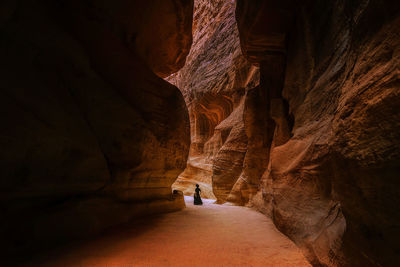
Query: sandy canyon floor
x: 208, y: 235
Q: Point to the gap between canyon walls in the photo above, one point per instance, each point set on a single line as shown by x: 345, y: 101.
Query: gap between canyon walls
x: 216, y: 82
x: 233, y: 119
x: 315, y: 144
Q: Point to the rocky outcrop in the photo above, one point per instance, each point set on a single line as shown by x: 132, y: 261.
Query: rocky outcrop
x: 214, y: 83
x: 90, y: 136
x: 330, y: 76
x: 314, y: 146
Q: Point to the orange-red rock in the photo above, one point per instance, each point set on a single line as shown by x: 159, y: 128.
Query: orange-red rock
x: 320, y: 131
x: 330, y: 183
x: 214, y: 82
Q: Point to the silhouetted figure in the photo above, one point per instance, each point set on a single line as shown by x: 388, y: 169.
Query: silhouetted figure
x: 197, y: 198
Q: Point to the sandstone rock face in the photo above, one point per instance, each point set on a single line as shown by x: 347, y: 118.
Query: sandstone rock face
x: 330, y: 78
x: 90, y: 135
x: 214, y: 83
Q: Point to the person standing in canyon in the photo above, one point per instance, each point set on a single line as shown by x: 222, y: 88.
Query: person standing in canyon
x: 197, y: 198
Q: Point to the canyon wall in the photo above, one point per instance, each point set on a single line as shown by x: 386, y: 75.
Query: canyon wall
x: 330, y: 78
x: 315, y: 144
x: 214, y: 83
x: 91, y: 135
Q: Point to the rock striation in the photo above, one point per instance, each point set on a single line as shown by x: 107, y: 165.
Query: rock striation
x: 91, y: 136
x: 214, y: 83
x: 330, y: 75
x: 315, y: 144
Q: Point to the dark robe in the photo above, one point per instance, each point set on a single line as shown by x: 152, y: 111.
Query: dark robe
x: 197, y: 198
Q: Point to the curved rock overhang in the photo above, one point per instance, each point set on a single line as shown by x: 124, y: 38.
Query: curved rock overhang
x: 92, y: 136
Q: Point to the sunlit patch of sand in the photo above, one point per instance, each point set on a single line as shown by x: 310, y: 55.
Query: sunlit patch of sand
x: 208, y: 235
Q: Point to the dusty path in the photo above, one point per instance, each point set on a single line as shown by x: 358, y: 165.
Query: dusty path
x: 208, y: 235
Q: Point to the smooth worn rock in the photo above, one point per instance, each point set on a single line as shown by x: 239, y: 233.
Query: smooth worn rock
x: 214, y: 83
x: 91, y: 137
x: 331, y: 180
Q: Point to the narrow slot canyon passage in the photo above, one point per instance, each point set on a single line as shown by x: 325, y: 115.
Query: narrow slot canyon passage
x: 208, y: 235
x: 285, y: 113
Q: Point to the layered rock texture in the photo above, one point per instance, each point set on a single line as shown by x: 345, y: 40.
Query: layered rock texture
x: 315, y: 145
x: 91, y: 136
x: 331, y: 77
x: 214, y: 83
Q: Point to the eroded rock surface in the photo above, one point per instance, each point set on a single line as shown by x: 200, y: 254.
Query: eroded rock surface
x: 214, y: 82
x: 332, y: 83
x: 315, y: 144
x: 90, y: 135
